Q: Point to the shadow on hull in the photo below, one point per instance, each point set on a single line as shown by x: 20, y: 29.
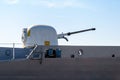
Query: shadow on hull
x: 62, y: 69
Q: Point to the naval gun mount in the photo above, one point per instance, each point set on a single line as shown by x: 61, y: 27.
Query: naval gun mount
x: 63, y: 35
x: 45, y: 35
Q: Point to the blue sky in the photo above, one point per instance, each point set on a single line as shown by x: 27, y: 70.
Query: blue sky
x: 64, y: 16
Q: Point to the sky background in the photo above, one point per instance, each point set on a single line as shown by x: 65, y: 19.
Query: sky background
x: 64, y: 16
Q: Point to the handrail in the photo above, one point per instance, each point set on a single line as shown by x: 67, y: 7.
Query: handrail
x: 32, y: 52
x: 13, y: 51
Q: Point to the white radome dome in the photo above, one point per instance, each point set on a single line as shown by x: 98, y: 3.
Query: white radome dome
x: 40, y: 35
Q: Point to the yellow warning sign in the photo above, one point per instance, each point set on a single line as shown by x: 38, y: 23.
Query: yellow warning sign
x: 47, y: 43
x: 28, y: 33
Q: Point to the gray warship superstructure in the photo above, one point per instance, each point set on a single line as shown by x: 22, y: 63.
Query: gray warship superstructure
x: 42, y: 58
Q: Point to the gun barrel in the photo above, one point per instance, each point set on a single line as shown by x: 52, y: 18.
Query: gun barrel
x: 63, y: 35
x: 69, y: 33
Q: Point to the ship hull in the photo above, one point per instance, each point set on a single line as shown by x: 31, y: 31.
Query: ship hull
x: 61, y: 69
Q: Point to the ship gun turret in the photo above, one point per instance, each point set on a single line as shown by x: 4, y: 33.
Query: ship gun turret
x: 63, y: 35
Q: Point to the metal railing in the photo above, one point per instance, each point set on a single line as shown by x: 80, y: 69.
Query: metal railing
x: 11, y: 47
x: 32, y: 51
x: 17, y: 45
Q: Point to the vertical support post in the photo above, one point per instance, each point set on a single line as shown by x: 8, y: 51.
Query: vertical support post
x: 13, y: 51
x: 41, y: 58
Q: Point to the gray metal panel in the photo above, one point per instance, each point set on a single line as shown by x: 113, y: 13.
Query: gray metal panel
x: 7, y: 53
x: 96, y: 63
x: 61, y: 69
x: 87, y: 51
x: 66, y: 52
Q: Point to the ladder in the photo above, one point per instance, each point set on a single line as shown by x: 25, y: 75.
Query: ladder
x: 40, y: 54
